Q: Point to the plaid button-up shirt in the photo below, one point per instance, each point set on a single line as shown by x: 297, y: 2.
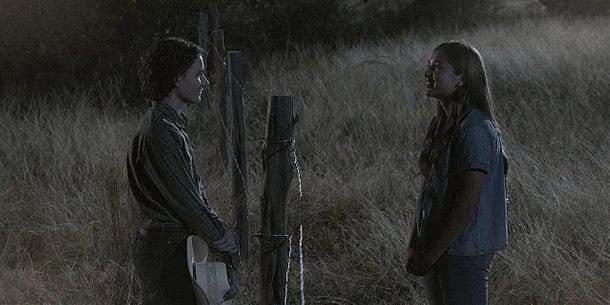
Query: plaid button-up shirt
x: 163, y: 177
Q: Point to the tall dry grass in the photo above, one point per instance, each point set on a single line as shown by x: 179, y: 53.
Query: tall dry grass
x: 68, y: 218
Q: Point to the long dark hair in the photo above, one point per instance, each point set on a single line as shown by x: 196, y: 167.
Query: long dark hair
x: 474, y: 93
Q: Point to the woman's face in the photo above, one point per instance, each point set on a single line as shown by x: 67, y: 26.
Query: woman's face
x: 441, y: 80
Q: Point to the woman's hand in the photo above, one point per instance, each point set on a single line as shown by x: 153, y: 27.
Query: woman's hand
x: 466, y: 203
x: 419, y: 264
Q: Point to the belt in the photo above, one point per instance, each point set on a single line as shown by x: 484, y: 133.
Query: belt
x: 163, y: 234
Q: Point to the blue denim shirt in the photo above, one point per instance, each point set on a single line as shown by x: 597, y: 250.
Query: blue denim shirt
x: 476, y: 145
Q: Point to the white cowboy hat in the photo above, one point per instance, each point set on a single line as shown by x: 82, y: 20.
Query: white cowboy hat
x: 209, y: 279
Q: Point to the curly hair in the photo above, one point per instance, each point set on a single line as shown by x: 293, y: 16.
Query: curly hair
x: 162, y: 63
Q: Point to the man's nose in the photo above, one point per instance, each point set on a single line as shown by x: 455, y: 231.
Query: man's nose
x: 205, y: 82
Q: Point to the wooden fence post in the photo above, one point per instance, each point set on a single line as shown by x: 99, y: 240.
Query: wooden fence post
x: 240, y: 164
x: 205, y: 95
x: 214, y: 18
x: 220, y: 89
x: 278, y: 169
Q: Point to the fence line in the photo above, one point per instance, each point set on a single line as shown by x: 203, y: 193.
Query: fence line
x: 203, y: 107
x: 220, y: 86
x: 275, y: 263
x: 239, y: 143
x: 296, y: 163
x: 229, y: 74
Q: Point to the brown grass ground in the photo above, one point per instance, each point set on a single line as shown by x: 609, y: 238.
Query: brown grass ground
x: 68, y: 217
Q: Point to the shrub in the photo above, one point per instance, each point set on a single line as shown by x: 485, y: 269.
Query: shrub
x: 582, y: 7
x: 463, y: 12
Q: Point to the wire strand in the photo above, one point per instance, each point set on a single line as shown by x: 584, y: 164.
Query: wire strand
x: 299, y: 180
x: 301, y: 221
x: 232, y: 77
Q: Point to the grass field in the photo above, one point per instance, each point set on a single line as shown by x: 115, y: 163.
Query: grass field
x: 68, y: 217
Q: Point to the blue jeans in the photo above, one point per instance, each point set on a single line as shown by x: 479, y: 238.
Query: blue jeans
x: 162, y: 268
x: 457, y: 280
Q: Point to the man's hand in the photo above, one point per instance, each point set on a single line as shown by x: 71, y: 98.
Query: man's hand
x: 227, y: 243
x: 233, y: 283
x: 418, y: 264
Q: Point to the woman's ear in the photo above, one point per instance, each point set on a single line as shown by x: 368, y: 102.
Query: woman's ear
x: 460, y: 81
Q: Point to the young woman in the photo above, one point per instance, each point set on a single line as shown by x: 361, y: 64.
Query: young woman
x: 461, y: 213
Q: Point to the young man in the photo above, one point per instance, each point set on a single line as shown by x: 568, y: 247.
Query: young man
x: 165, y: 182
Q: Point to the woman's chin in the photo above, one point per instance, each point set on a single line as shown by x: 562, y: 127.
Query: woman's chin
x: 193, y: 101
x: 196, y: 99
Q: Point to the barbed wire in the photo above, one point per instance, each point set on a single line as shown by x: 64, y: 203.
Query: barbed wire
x: 287, y: 270
x: 241, y: 86
x: 269, y: 238
x: 301, y: 222
x: 235, y: 163
x: 292, y: 146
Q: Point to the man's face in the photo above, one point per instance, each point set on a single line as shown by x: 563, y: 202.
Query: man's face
x: 189, y: 86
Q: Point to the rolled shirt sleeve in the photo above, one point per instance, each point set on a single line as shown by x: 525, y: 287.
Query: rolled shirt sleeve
x: 180, y: 187
x: 475, y: 149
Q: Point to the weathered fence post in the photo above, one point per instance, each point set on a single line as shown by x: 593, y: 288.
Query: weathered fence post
x: 240, y: 164
x: 278, y: 169
x: 220, y: 89
x: 214, y: 18
x: 205, y: 95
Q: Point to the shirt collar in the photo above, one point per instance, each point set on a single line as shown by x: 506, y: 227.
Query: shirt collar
x: 168, y: 112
